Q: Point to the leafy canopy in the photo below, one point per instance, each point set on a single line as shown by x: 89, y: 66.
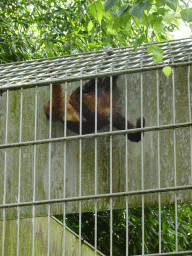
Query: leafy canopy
x: 48, y: 28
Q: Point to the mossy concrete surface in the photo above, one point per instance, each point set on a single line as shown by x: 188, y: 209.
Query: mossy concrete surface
x: 161, y: 160
x: 41, y: 239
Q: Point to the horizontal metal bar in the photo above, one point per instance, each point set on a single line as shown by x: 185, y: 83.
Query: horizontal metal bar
x: 61, y: 58
x: 168, y: 253
x: 99, y: 196
x: 102, y: 61
x: 119, y: 50
x: 84, y: 55
x: 32, y: 84
x: 95, y: 135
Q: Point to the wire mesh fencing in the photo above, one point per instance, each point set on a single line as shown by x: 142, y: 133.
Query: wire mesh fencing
x: 101, y: 135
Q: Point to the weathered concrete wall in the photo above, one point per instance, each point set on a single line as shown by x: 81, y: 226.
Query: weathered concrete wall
x: 41, y: 239
x: 150, y: 148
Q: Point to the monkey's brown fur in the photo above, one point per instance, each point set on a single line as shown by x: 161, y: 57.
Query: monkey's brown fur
x: 88, y: 108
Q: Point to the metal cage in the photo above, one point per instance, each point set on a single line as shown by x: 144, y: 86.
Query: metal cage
x: 48, y: 170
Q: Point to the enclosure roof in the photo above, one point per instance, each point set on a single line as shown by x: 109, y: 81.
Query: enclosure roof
x: 86, y: 65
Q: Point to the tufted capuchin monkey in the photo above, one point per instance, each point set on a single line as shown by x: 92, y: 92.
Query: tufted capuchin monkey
x: 88, y: 108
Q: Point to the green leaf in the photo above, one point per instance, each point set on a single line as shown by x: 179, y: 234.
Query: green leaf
x: 157, y: 53
x: 110, y: 30
x: 100, y: 10
x: 158, y: 27
x: 135, y: 44
x: 160, y: 3
x: 97, y: 10
x: 122, y: 9
x: 167, y: 71
x: 109, y: 3
x: 171, y: 5
x: 162, y: 11
x: 90, y: 26
x: 186, y: 14
x: 92, y: 10
x: 137, y: 10
x: 169, y: 17
x: 176, y: 2
x: 142, y: 39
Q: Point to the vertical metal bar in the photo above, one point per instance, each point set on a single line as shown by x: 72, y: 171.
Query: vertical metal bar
x: 64, y: 176
x: 158, y: 159
x: 142, y: 168
x: 48, y: 230
x: 126, y: 171
x: 34, y: 174
x: 174, y: 147
x: 189, y: 102
x: 95, y: 227
x: 19, y: 174
x: 49, y: 170
x: 5, y: 172
x: 190, y: 119
x: 111, y: 168
x: 50, y: 114
x: 80, y: 163
x: 96, y: 81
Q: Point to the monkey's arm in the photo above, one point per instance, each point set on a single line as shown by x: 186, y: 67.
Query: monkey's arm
x: 58, y: 106
x: 57, y: 98
x: 88, y: 100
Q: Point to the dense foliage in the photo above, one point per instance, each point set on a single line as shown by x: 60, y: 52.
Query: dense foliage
x: 47, y: 28
x: 151, y: 228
